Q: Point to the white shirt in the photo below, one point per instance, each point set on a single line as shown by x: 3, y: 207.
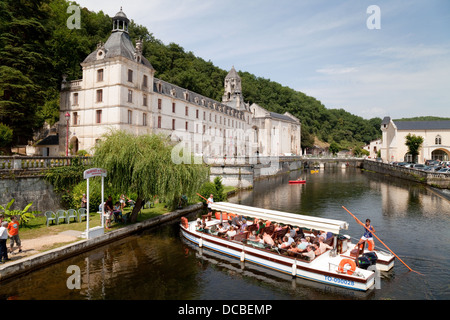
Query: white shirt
x: 210, y: 202
x: 3, y: 233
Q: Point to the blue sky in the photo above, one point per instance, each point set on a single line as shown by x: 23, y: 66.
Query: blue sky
x: 320, y: 47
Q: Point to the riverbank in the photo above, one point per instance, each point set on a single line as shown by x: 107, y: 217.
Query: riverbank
x: 34, y: 259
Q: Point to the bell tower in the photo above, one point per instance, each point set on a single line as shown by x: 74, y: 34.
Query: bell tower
x: 233, y: 91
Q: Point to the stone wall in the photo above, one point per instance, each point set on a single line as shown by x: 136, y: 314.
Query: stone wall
x: 26, y: 190
x: 438, y: 180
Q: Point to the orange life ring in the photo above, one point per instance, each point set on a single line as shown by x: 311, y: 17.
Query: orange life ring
x: 184, y: 222
x: 345, y: 262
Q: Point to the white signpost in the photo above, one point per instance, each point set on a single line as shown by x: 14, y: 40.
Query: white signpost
x: 87, y: 174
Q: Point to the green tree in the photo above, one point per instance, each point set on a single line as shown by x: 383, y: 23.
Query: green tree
x: 414, y: 143
x: 143, y: 165
x: 334, y: 148
x: 6, y: 135
x: 25, y: 65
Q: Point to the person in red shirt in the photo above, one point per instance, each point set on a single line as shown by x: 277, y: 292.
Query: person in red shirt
x: 13, y: 232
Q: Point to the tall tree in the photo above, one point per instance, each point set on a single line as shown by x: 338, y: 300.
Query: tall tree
x: 143, y: 165
x: 25, y: 66
x: 414, y: 143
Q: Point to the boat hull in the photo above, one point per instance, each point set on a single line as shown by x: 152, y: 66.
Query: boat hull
x: 323, y: 269
x: 297, y: 181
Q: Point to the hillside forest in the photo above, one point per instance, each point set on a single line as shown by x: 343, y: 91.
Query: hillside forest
x: 37, y: 48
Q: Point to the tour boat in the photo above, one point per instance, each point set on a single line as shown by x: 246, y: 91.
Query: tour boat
x: 297, y: 181
x: 342, y: 266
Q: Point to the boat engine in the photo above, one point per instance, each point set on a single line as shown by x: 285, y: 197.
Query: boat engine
x: 363, y: 262
x: 372, y: 256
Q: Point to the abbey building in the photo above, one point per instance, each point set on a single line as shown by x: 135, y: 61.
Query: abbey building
x: 118, y: 90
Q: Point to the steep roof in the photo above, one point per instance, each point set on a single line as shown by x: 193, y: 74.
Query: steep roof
x: 118, y: 44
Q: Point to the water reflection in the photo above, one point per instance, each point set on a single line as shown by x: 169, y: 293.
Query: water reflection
x: 411, y: 219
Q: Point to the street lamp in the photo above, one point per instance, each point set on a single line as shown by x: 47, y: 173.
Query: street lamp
x: 67, y: 133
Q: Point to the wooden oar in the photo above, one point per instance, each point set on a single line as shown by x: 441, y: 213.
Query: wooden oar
x: 202, y: 196
x: 380, y: 240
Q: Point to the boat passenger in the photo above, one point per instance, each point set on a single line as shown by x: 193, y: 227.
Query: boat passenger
x: 323, y: 235
x: 285, y: 244
x: 323, y: 246
x: 237, y: 221
x: 244, y: 225
x: 294, y: 248
x: 268, y: 239
x: 302, y: 244
x: 231, y: 232
x: 309, y: 252
x: 252, y: 236
x: 316, y: 250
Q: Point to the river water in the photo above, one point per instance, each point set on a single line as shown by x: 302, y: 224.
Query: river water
x: 156, y: 264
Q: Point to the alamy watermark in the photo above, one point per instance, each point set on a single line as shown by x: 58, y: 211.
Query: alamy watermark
x: 374, y: 20
x: 74, y: 21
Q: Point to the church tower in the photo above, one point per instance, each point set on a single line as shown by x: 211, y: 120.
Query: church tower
x: 233, y: 91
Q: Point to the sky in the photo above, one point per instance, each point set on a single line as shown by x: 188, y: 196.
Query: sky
x: 389, y: 60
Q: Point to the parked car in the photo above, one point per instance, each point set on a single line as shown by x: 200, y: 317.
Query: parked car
x: 432, y: 162
x: 444, y: 170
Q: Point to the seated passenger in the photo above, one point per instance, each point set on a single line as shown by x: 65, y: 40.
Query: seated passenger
x: 285, y: 244
x: 323, y: 246
x: 268, y: 239
x: 222, y: 229
x: 309, y: 253
x: 243, y: 227
x: 323, y: 235
x: 231, y: 232
x: 237, y: 221
x: 252, y: 236
x: 316, y: 249
x: 293, y: 248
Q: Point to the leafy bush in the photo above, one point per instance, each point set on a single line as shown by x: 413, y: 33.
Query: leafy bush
x: 24, y: 216
x: 215, y: 188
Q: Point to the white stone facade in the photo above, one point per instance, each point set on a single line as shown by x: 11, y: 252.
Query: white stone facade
x: 118, y: 90
x: 436, y: 143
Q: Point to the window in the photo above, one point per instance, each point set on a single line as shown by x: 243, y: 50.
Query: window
x: 130, y: 75
x: 144, y: 100
x: 187, y: 111
x: 204, y: 115
x: 187, y: 126
x: 75, y: 99
x: 159, y: 122
x: 130, y: 95
x: 99, y: 75
x: 75, y: 118
x: 145, y: 81
x: 159, y: 104
x: 438, y: 140
x: 98, y: 116
x: 144, y: 119
x: 130, y: 117
x: 99, y: 95
x: 196, y: 114
x: 173, y: 107
x: 173, y: 124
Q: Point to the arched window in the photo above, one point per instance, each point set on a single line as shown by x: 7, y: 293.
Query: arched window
x: 438, y: 140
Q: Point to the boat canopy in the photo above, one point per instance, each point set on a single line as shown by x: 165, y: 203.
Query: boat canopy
x: 309, y: 222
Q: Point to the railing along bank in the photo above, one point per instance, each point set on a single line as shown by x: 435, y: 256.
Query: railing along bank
x: 25, y: 163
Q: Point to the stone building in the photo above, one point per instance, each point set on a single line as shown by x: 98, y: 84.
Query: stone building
x: 118, y: 90
x: 436, y: 143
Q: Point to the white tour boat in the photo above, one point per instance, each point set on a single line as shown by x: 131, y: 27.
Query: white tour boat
x: 341, y: 266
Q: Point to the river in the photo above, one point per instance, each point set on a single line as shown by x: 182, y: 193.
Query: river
x: 413, y: 220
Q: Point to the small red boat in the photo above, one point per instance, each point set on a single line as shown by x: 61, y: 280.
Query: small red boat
x: 296, y: 181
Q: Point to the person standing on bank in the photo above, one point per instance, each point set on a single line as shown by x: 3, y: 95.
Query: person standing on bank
x: 3, y: 238
x: 13, y: 232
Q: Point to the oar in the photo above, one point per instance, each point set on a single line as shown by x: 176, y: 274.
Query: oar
x: 202, y: 196
x: 380, y: 240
